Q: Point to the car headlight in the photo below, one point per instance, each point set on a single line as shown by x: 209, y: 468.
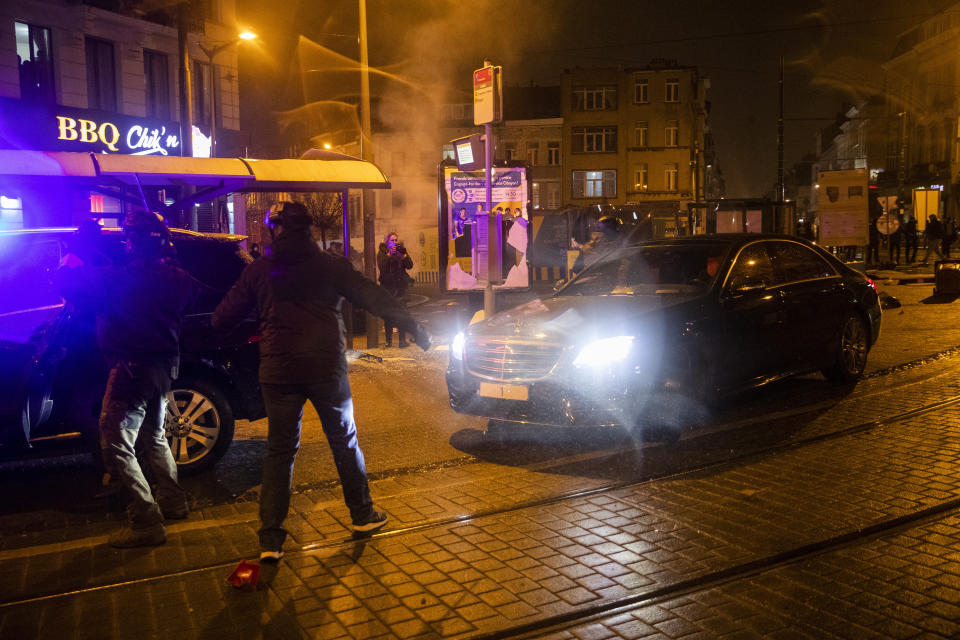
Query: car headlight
x: 604, y: 352
x: 456, y: 346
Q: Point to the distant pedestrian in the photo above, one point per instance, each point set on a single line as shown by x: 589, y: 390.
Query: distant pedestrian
x: 873, y: 253
x: 949, y: 235
x: 910, y: 240
x: 140, y: 308
x: 393, y: 262
x: 932, y: 235
x: 893, y: 240
x: 297, y: 291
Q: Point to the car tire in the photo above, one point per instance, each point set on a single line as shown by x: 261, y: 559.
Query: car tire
x: 199, y: 424
x: 851, y: 356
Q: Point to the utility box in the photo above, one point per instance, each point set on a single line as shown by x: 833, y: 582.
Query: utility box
x: 946, y: 278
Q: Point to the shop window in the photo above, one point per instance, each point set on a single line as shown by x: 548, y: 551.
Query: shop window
x: 101, y: 75
x: 11, y: 213
x: 35, y: 60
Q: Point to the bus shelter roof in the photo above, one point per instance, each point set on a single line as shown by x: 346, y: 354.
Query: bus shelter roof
x: 214, y: 176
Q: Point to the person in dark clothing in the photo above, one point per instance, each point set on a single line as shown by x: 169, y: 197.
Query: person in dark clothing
x: 894, y: 244
x: 949, y: 235
x: 139, y: 311
x: 873, y: 253
x: 393, y: 262
x: 933, y: 235
x: 910, y: 240
x: 297, y: 291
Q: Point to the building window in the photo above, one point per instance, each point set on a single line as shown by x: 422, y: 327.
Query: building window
x: 670, y: 174
x: 35, y: 58
x: 156, y: 72
x: 101, y: 75
x: 641, y: 90
x: 533, y: 154
x: 509, y: 151
x: 594, y: 98
x: 642, y: 177
x: 594, y: 139
x: 671, y: 133
x: 552, y: 195
x: 448, y: 152
x: 595, y: 184
x: 640, y: 134
x: 672, y: 90
x: 553, y: 153
x: 202, y: 94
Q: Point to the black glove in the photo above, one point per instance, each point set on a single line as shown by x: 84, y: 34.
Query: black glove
x: 422, y: 337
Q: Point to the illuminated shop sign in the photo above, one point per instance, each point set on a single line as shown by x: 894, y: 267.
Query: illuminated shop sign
x: 58, y: 128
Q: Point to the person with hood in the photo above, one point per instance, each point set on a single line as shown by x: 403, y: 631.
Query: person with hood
x: 297, y: 291
x: 139, y: 307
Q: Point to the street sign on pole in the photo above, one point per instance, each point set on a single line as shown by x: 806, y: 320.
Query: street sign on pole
x: 487, y: 95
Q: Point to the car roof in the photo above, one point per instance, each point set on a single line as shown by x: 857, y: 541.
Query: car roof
x: 176, y: 234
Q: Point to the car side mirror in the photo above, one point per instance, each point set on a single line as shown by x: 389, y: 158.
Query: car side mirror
x: 741, y: 286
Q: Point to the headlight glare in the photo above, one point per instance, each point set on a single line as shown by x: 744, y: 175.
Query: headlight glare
x: 604, y: 352
x: 456, y: 346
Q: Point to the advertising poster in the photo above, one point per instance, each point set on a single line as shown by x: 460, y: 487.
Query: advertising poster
x: 467, y: 236
x: 842, y: 207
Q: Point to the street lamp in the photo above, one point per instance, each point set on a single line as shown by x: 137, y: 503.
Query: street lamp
x: 211, y: 53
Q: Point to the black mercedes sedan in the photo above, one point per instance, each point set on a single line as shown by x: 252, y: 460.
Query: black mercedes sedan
x: 651, y: 335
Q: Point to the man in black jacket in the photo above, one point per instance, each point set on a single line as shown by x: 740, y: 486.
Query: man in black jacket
x: 297, y: 291
x: 139, y: 310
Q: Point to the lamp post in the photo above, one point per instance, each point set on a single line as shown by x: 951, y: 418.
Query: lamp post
x: 211, y: 53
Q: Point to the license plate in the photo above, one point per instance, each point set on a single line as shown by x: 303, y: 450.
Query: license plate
x: 504, y: 391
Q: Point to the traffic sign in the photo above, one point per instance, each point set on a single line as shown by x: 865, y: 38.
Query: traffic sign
x: 887, y: 224
x: 487, y: 95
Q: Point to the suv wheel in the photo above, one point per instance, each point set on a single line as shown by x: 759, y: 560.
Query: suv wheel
x: 199, y: 424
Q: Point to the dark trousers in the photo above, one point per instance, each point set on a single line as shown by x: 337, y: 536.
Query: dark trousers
x: 387, y: 327
x: 334, y: 404
x: 133, y: 414
x: 910, y: 246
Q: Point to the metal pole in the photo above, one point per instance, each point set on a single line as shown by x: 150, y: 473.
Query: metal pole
x: 369, y: 234
x: 347, y: 309
x: 489, y: 303
x: 781, y: 188
x: 186, y: 98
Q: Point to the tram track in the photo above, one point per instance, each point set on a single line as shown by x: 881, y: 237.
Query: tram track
x: 732, y: 572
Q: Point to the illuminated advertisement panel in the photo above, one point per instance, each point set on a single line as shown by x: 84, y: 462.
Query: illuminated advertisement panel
x: 466, y: 220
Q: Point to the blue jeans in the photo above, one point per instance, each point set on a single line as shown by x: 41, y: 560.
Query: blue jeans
x: 334, y: 404
x: 133, y: 413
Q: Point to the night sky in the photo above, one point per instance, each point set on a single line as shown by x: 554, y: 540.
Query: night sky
x: 832, y: 52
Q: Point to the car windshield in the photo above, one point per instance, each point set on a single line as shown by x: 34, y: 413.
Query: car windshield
x: 688, y: 269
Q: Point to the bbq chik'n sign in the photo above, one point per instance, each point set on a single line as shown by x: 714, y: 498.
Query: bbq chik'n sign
x: 58, y: 128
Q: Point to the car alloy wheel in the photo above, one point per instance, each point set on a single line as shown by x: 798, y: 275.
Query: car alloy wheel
x: 198, y: 424
x: 852, y: 355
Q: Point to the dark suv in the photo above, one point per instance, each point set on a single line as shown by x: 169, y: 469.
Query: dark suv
x: 52, y: 376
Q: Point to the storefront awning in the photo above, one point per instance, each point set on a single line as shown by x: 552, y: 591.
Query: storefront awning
x: 334, y: 173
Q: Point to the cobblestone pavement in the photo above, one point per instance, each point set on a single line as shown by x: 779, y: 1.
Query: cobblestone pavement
x: 841, y: 520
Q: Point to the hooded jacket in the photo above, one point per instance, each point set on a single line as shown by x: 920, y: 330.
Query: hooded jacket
x: 297, y: 293
x: 139, y: 308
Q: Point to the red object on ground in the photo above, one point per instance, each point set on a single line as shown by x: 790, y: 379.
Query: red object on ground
x: 245, y: 574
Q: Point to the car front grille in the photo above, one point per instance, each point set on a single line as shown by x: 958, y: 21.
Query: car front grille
x: 509, y: 360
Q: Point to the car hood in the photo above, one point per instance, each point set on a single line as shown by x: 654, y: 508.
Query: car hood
x: 565, y: 317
